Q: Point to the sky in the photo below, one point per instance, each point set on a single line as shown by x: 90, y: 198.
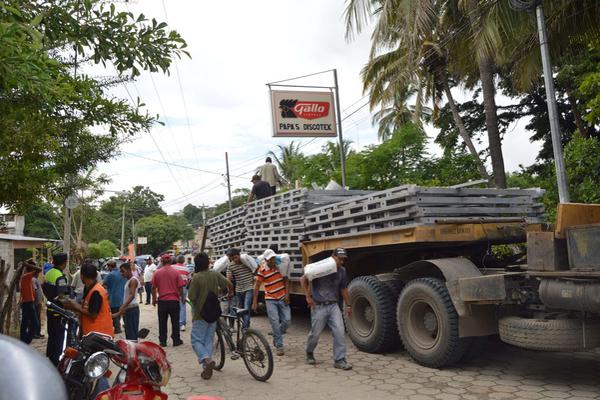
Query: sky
x: 218, y: 101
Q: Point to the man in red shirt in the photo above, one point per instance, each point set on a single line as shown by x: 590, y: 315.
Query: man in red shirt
x: 29, y: 319
x: 167, y: 292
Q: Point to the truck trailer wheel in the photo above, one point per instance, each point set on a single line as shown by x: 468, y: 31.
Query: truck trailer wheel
x: 550, y: 334
x: 428, y: 323
x: 372, y: 327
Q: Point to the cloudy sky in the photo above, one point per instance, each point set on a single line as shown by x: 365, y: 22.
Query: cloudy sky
x: 218, y: 101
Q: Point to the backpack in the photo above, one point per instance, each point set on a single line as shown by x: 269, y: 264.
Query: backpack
x: 211, y: 310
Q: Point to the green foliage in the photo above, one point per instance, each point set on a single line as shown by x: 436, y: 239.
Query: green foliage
x: 582, y: 161
x: 103, y: 249
x: 162, y: 231
x: 193, y: 215
x: 41, y: 221
x: 47, y: 112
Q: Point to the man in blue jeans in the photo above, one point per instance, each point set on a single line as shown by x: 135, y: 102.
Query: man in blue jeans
x: 277, y: 297
x: 322, y: 296
x: 243, y: 277
x: 203, y: 332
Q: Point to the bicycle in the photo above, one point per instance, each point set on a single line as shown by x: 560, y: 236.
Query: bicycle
x: 249, y: 344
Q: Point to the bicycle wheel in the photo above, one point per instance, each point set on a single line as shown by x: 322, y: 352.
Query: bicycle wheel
x: 257, y: 355
x: 218, y: 351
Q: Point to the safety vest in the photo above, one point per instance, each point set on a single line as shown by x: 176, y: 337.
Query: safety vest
x: 103, y: 322
x: 49, y: 286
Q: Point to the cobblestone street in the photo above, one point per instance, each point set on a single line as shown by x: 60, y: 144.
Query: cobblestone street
x: 503, y: 372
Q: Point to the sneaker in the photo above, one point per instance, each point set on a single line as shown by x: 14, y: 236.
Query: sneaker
x: 342, y: 364
x: 280, y: 351
x: 38, y: 336
x: 310, y: 359
x: 177, y: 343
x: 235, y: 355
x: 162, y: 344
x: 270, y: 333
x: 208, y: 370
x: 182, y: 328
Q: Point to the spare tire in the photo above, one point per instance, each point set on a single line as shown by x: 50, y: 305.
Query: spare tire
x: 565, y: 334
x: 372, y: 327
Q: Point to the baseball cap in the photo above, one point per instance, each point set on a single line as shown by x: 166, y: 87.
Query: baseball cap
x: 340, y: 252
x: 255, y: 178
x: 268, y: 254
x: 148, y: 258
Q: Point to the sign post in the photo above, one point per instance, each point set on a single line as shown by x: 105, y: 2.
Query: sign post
x: 298, y: 113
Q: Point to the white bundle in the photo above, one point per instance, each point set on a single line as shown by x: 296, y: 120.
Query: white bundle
x: 222, y: 263
x: 320, y: 269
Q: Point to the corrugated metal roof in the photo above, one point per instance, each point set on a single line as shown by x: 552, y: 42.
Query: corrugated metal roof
x: 8, y: 236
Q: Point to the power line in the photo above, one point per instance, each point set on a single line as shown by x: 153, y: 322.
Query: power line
x: 185, y: 109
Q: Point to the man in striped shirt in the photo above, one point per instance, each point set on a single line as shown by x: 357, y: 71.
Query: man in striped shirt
x: 277, y: 298
x: 243, y: 277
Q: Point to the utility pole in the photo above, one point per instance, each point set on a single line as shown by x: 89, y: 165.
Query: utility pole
x: 228, y: 181
x: 133, y: 238
x: 123, y: 229
x: 559, y: 161
x: 339, y: 121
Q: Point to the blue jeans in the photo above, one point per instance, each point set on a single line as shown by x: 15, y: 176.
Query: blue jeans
x: 132, y: 323
x: 148, y: 289
x: 244, y: 300
x: 280, y: 316
x: 330, y: 315
x: 203, y: 334
x: 182, y: 308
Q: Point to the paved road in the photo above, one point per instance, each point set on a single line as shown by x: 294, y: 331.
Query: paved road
x: 503, y: 372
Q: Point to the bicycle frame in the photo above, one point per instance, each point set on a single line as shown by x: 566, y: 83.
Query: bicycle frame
x: 223, y: 327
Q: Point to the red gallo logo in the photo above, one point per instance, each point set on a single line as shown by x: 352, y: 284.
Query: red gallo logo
x: 304, y: 109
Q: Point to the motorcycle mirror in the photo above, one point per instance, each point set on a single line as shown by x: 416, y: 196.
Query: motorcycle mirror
x: 143, y: 333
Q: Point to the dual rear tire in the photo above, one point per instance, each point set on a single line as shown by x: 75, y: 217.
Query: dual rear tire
x: 420, y: 315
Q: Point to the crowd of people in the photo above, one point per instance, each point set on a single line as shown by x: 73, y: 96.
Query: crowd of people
x: 170, y: 283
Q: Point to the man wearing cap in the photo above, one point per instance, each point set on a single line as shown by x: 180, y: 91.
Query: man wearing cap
x: 322, y: 296
x: 55, y: 288
x: 260, y: 189
x: 167, y: 293
x: 277, y: 297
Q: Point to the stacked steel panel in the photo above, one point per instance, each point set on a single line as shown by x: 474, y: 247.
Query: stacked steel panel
x: 277, y: 219
x: 228, y: 230
x: 412, y: 205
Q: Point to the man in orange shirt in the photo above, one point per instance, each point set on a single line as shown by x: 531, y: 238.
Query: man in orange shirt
x: 29, y: 320
x: 277, y: 298
x: 95, y: 309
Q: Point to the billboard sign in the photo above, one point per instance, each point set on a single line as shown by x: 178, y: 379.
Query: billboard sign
x: 303, y: 114
x: 142, y: 240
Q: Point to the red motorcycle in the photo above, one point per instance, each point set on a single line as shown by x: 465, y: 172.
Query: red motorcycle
x: 144, y: 369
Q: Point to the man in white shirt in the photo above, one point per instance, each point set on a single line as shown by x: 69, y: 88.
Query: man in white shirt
x: 268, y: 173
x: 148, y: 274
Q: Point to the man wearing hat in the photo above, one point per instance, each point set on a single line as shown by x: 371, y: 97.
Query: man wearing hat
x: 277, y: 297
x: 322, y: 296
x: 260, y: 189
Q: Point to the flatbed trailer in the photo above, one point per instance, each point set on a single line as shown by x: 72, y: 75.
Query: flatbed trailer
x: 435, y: 289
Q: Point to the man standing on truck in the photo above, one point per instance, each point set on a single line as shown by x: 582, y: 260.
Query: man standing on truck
x: 268, y: 173
x: 260, y: 189
x: 322, y: 296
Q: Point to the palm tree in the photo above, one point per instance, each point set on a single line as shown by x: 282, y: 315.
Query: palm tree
x: 288, y: 161
x: 418, y: 64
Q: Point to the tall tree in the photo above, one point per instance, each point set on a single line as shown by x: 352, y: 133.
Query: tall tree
x: 47, y: 112
x: 288, y: 160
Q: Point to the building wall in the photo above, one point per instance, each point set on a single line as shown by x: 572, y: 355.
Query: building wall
x: 7, y: 254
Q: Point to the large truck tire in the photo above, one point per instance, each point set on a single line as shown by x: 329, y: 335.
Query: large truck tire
x: 550, y: 334
x: 372, y: 327
x: 428, y: 324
